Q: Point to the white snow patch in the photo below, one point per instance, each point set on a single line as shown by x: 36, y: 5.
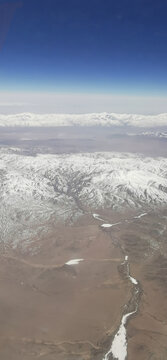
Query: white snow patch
x: 73, y: 262
x: 110, y: 225
x: 133, y: 280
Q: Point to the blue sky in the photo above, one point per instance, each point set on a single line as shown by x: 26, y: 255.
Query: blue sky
x: 107, y: 47
x: 99, y: 46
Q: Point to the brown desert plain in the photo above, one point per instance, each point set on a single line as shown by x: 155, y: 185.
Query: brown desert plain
x: 51, y: 310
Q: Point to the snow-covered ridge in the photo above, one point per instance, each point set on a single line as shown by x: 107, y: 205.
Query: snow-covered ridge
x: 35, y: 191
x: 92, y: 119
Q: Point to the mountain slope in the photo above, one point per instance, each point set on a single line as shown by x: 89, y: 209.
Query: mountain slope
x: 39, y: 190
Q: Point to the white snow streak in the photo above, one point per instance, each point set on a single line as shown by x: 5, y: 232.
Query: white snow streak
x: 73, y: 262
x: 110, y: 225
x: 97, y: 217
x: 139, y: 216
x: 132, y: 279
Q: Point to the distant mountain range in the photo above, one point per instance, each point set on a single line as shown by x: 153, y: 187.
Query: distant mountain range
x: 93, y: 119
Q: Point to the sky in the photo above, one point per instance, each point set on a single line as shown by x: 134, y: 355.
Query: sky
x: 107, y: 49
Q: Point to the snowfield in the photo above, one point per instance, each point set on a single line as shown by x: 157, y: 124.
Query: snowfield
x: 37, y: 191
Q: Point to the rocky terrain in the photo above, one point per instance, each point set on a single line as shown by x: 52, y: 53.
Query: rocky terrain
x: 36, y: 191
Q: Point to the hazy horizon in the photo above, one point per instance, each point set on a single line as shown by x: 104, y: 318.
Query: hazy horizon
x: 36, y: 102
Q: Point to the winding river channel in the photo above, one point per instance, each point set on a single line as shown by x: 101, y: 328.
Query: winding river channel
x: 118, y: 349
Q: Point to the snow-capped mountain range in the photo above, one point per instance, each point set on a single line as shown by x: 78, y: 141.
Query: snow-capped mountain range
x: 159, y: 134
x: 103, y: 119
x: 36, y: 192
